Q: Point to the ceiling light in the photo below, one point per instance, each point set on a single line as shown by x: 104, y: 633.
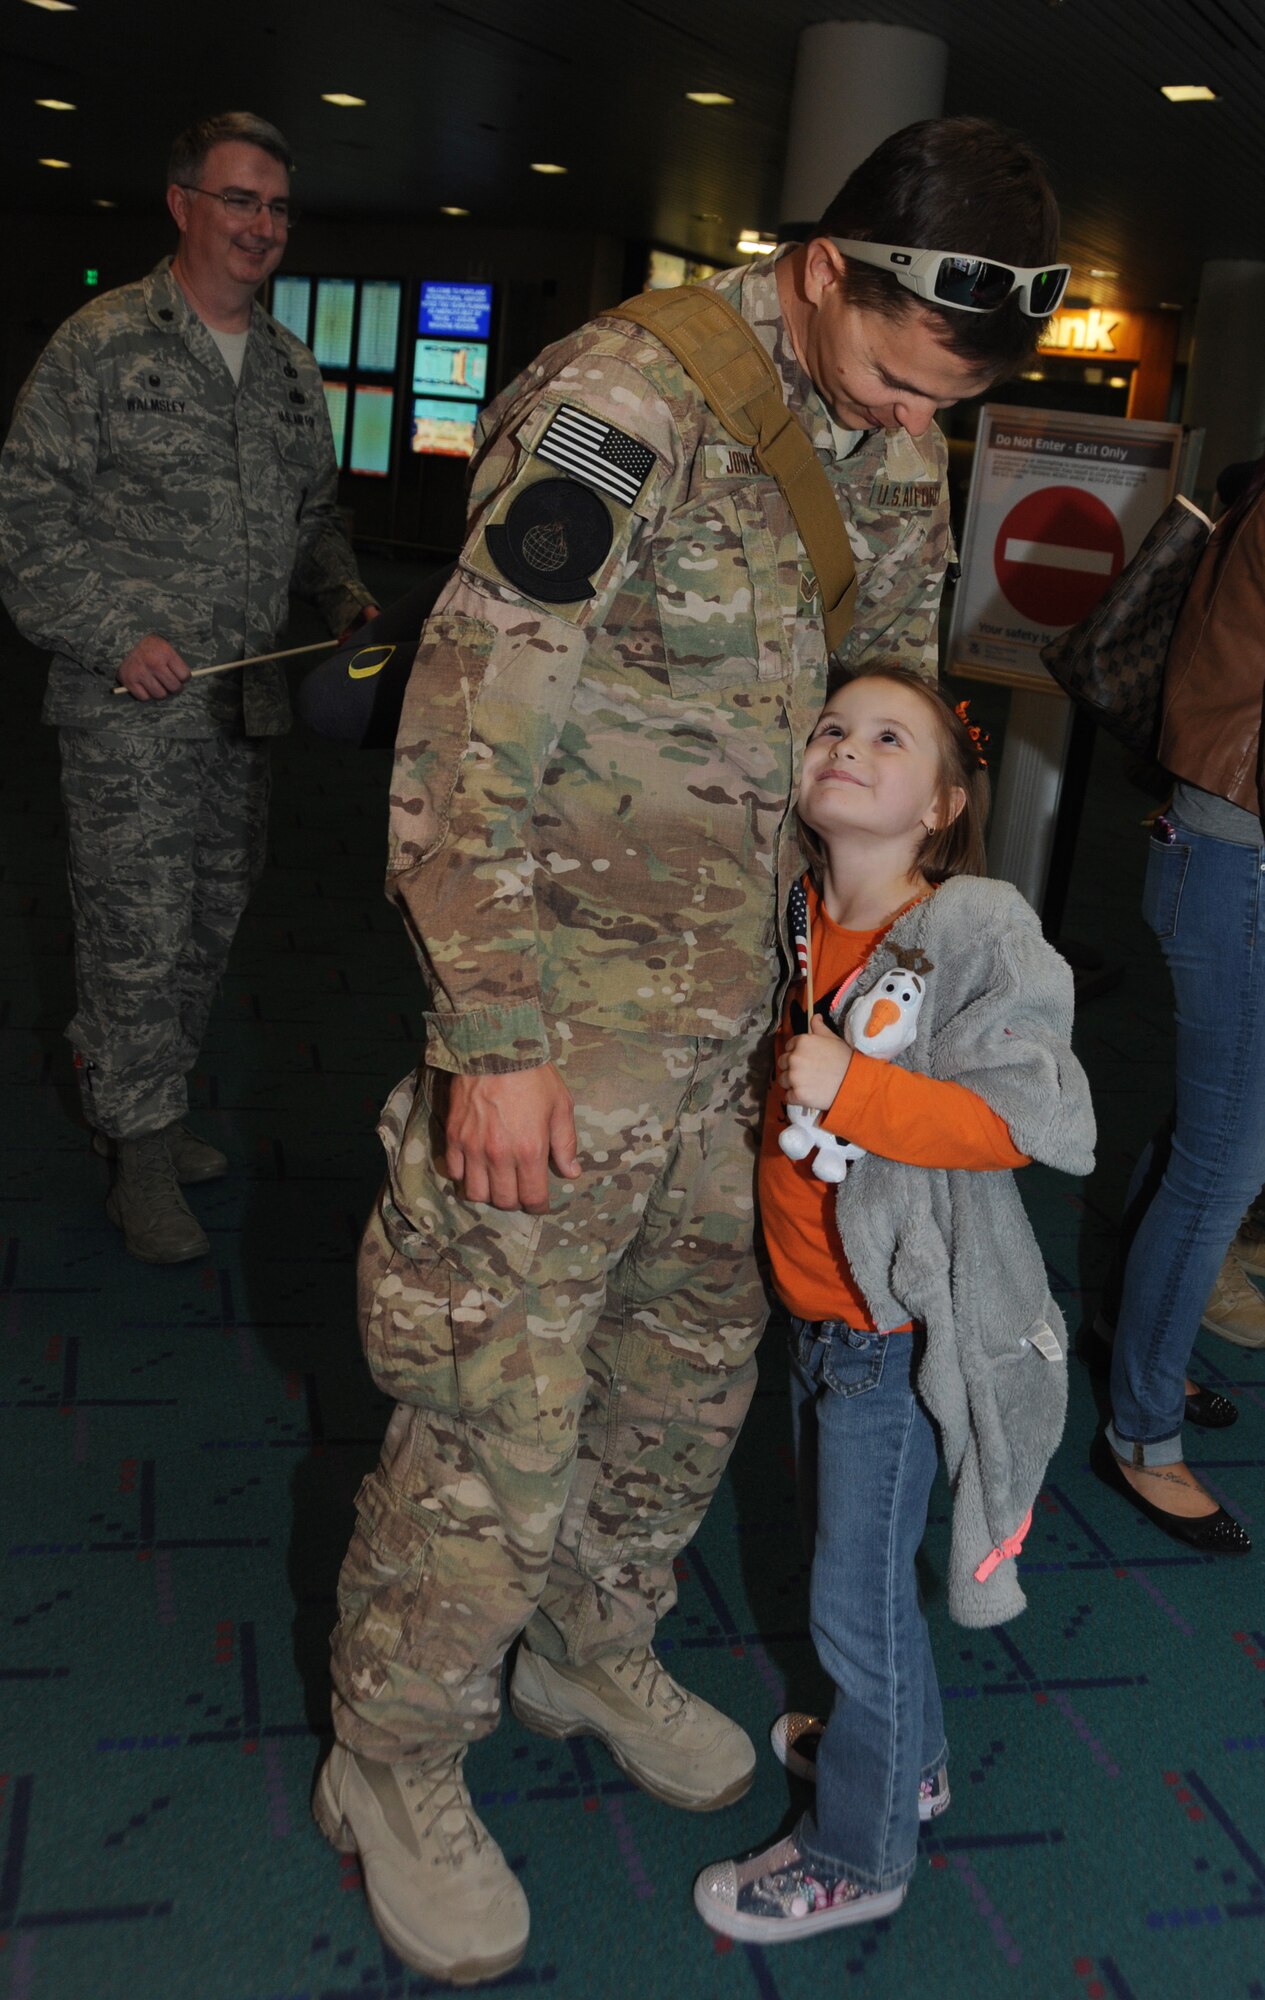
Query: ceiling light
x: 454, y: 211
x: 55, y: 104
x: 546, y: 167
x: 53, y: 6
x: 343, y: 99
x: 1188, y: 93
x: 1104, y: 274
x: 54, y: 163
x: 752, y: 244
x: 1117, y: 381
x: 1169, y: 306
x: 103, y: 201
x: 708, y: 97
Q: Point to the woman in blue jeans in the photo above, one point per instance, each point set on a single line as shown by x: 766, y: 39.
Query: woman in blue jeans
x: 1205, y: 901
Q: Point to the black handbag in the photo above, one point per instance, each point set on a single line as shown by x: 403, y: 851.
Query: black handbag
x: 1112, y: 663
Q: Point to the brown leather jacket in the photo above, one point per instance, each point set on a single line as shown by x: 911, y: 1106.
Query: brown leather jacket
x: 1214, y: 682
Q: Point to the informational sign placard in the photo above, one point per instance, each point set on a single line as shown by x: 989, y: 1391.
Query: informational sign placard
x: 1059, y: 504
x: 454, y: 311
x: 379, y: 326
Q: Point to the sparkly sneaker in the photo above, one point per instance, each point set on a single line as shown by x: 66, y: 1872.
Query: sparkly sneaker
x: 775, y: 1898
x: 674, y: 1745
x: 795, y: 1738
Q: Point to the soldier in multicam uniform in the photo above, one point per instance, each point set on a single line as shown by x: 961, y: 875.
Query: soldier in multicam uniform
x: 168, y: 476
x: 591, y: 834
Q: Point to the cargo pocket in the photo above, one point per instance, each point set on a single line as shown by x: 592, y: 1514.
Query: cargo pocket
x: 706, y: 596
x: 382, y: 1576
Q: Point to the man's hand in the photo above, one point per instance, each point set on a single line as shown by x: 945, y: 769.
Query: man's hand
x: 504, y: 1132
x: 358, y: 623
x: 814, y: 1066
x: 152, y: 670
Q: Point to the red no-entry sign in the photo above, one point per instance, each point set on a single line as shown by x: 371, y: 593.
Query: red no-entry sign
x: 1056, y: 552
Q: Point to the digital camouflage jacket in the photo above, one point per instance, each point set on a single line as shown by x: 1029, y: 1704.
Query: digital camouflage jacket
x: 591, y: 812
x: 142, y: 491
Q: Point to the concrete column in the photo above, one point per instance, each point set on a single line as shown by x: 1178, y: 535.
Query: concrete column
x: 1028, y: 789
x: 1225, y: 393
x: 856, y: 82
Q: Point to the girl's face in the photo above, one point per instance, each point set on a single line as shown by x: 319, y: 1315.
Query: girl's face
x: 873, y: 765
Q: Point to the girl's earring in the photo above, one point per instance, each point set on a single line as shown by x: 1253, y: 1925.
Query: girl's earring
x: 928, y: 830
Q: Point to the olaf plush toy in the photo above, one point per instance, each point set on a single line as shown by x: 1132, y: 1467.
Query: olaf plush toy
x: 881, y: 1023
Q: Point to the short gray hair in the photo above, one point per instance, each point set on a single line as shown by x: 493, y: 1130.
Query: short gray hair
x: 189, y: 151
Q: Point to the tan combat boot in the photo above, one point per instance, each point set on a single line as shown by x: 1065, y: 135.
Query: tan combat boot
x: 194, y: 1159
x: 1248, y: 1246
x: 441, y: 1892
x: 144, y: 1200
x: 675, y: 1746
x: 1236, y: 1309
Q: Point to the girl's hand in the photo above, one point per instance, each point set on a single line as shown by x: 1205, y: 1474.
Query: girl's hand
x: 814, y: 1066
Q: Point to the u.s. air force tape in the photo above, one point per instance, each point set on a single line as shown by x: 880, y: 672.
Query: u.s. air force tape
x: 555, y: 535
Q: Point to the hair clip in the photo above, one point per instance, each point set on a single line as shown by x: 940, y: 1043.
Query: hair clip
x: 979, y: 737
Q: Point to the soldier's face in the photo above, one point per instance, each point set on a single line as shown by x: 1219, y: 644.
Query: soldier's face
x: 218, y: 247
x: 876, y: 373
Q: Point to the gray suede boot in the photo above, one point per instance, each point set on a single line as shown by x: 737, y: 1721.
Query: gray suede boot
x: 145, y: 1201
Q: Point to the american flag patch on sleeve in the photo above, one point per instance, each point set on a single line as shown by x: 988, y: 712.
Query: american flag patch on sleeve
x: 597, y: 453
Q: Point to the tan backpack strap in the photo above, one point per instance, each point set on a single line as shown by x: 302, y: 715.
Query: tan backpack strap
x: 721, y: 353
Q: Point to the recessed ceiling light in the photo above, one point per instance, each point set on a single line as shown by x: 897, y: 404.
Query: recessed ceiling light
x: 1104, y: 274
x: 103, y: 201
x: 546, y: 167
x: 343, y: 99
x: 1188, y: 93
x: 454, y: 211
x: 55, y: 104
x: 708, y: 97
x: 54, y: 6
x: 54, y: 163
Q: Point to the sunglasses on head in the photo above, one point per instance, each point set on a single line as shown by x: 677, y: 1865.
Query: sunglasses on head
x: 966, y: 283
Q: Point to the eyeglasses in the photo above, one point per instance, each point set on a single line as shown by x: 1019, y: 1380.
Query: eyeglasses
x: 245, y: 207
x: 966, y: 283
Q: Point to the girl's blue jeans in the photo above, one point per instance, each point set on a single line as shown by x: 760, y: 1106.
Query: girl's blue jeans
x: 866, y: 1453
x: 1205, y: 900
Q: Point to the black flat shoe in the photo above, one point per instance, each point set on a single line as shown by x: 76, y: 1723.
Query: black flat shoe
x: 1216, y: 1534
x: 1211, y: 1411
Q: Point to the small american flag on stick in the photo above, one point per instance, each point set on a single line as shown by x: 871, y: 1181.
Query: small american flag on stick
x: 801, y: 937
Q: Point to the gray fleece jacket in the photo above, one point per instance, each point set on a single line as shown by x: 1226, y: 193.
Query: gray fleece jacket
x: 954, y: 1249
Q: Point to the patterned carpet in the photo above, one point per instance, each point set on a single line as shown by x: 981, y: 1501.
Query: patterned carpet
x: 179, y: 1450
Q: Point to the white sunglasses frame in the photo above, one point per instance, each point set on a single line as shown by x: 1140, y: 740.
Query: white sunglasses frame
x: 916, y: 270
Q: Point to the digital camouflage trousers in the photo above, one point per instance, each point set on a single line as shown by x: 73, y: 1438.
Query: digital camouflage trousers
x: 568, y: 1387
x: 166, y: 838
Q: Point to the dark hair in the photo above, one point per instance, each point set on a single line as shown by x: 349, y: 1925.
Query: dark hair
x: 951, y: 184
x: 957, y: 847
x: 189, y: 151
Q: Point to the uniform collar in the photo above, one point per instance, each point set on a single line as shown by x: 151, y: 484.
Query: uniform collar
x: 169, y: 310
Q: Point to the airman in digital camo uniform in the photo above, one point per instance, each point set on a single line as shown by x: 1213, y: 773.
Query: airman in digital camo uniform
x: 591, y: 839
x: 168, y: 476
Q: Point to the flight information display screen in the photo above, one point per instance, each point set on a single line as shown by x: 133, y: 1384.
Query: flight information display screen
x: 450, y: 368
x: 379, y: 334
x: 335, y: 312
x: 455, y: 311
x: 292, y: 304
x: 445, y: 429
x: 336, y: 404
x: 372, y: 414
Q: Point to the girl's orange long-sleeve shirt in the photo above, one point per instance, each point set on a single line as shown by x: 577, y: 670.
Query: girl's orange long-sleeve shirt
x: 893, y: 1112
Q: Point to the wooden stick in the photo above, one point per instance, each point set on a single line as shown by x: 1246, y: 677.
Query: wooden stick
x: 256, y: 660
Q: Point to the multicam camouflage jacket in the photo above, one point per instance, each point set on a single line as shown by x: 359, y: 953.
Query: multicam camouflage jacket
x: 141, y: 491
x: 591, y: 812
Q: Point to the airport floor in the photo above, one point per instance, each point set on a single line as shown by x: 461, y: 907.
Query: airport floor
x: 179, y: 1450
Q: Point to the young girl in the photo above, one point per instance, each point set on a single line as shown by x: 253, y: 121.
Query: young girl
x: 917, y: 1297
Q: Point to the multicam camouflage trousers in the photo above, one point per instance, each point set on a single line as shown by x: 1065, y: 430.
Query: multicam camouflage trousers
x: 166, y: 841
x: 568, y: 1387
